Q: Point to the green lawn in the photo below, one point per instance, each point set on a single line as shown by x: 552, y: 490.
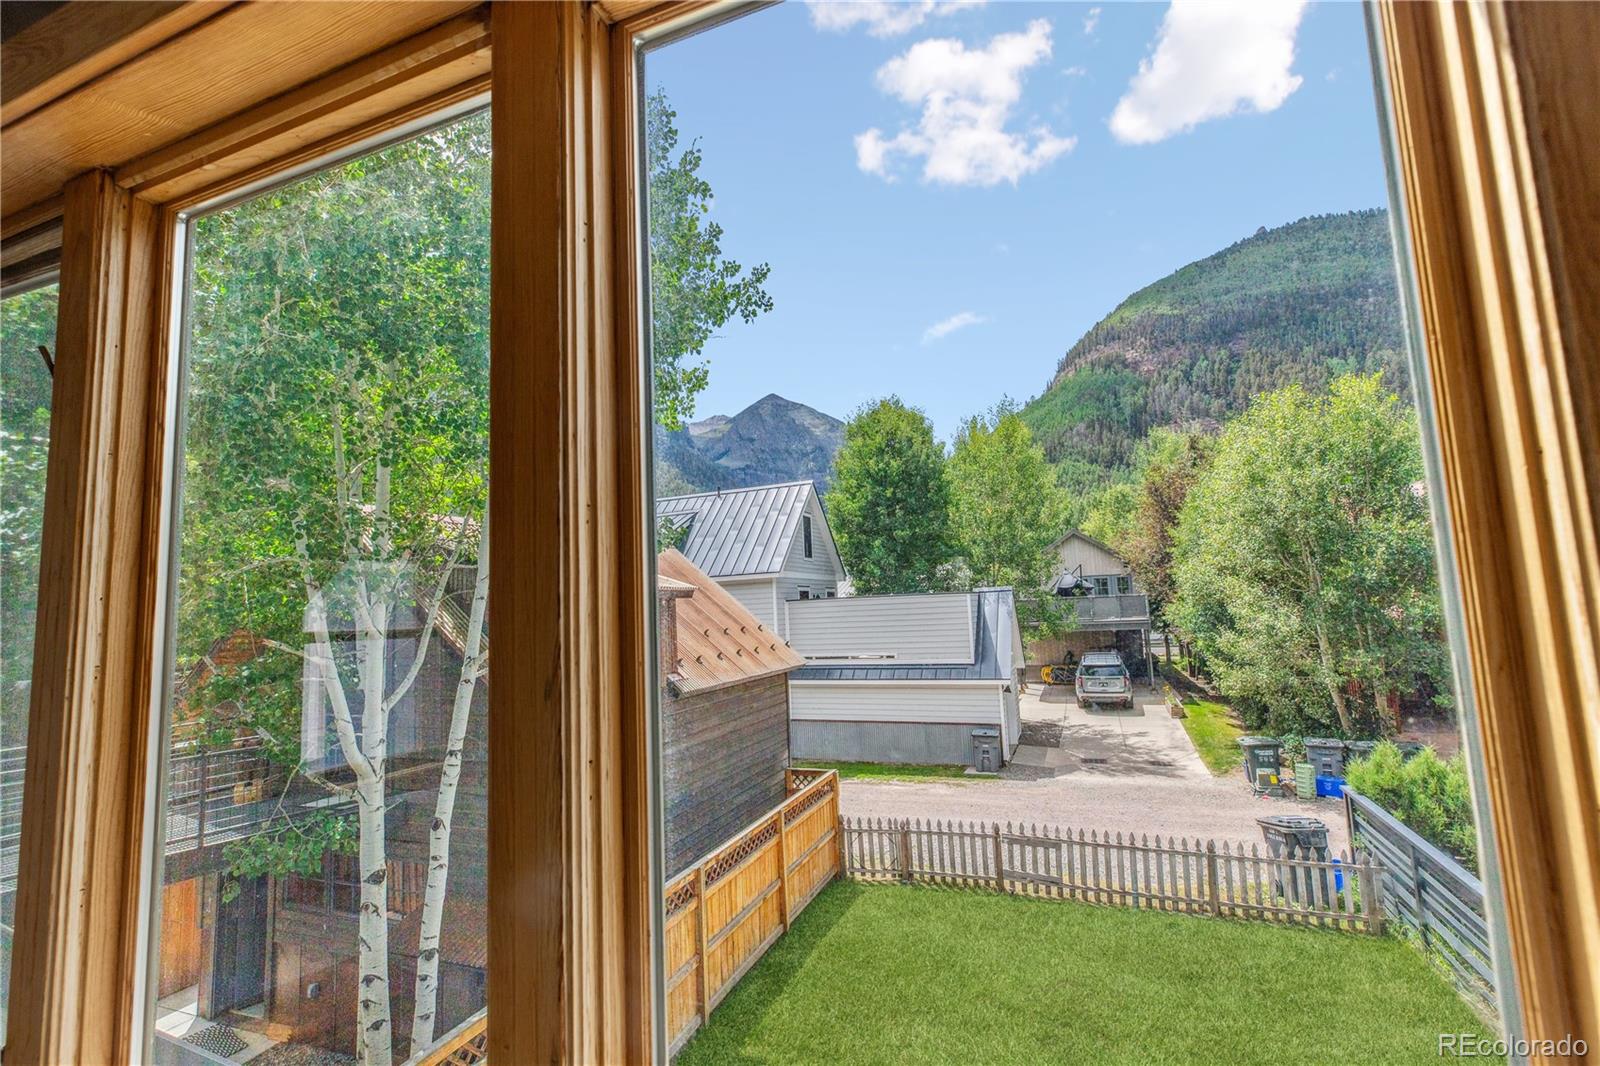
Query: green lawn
x: 887, y: 771
x: 891, y: 974
x: 1216, y: 737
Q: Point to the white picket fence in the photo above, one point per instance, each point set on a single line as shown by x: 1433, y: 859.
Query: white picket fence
x: 1226, y: 879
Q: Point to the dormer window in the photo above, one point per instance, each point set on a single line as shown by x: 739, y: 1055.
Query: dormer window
x: 805, y: 531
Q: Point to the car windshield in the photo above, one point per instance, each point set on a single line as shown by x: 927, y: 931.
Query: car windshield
x: 1101, y: 671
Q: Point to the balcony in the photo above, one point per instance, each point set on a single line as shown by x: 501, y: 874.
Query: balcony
x: 1118, y: 611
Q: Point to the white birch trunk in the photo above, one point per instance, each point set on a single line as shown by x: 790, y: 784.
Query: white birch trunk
x: 427, y: 988
x: 374, y: 1039
x: 374, y: 1029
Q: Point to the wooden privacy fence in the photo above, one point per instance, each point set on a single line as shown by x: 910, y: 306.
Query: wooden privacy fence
x: 1428, y: 891
x: 727, y: 910
x: 1222, y: 880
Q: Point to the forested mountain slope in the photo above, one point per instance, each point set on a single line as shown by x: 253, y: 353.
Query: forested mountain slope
x: 1300, y: 303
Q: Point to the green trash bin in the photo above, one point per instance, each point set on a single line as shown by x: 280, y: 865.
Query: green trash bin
x: 1261, y: 753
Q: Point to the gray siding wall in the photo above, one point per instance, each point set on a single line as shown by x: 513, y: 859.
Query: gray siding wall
x: 893, y: 742
x: 722, y: 767
x: 820, y: 573
x: 935, y: 628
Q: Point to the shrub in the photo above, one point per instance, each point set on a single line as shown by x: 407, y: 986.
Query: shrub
x: 1427, y: 793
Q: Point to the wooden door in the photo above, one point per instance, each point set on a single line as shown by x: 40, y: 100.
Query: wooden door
x: 239, y: 965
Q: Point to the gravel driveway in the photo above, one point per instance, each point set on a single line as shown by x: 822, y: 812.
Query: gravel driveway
x: 1096, y: 769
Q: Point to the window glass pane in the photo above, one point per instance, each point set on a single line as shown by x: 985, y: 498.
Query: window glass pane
x: 27, y: 324
x: 1089, y: 369
x: 323, y: 886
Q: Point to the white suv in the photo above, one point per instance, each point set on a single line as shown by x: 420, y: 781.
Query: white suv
x: 1102, y: 678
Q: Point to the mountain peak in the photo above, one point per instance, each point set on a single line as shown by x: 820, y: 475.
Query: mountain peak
x: 773, y: 440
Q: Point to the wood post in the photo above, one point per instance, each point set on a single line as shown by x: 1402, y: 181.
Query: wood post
x: 844, y: 838
x: 1211, y: 879
x: 1417, y: 900
x: 999, y: 861
x: 705, y: 954
x: 83, y: 812
x: 905, y: 850
x: 783, y: 867
x: 1372, y: 895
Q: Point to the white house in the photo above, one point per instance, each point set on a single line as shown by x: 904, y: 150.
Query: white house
x: 1110, y: 609
x: 767, y: 544
x: 926, y: 678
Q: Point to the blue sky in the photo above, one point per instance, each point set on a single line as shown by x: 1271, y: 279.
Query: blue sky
x: 1007, y: 170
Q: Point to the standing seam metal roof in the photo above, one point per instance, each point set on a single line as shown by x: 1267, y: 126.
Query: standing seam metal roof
x: 740, y: 532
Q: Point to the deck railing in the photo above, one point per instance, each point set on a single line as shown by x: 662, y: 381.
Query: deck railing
x: 1130, y: 607
x: 1220, y: 880
x: 1430, y: 893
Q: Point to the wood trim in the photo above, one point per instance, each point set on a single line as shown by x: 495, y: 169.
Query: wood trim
x: 1491, y: 175
x: 635, y: 17
x: 79, y: 42
x: 30, y: 254
x: 28, y: 218
x: 570, y: 927
x: 82, y: 822
x: 196, y: 188
x: 299, y: 113
x: 198, y: 78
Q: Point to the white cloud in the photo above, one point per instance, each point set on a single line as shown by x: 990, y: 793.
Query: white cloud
x: 882, y: 18
x: 1212, y: 58
x: 966, y: 97
x: 1076, y: 72
x: 1091, y: 19
x: 945, y: 327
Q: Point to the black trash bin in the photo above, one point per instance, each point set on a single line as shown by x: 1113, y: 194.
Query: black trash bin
x: 1359, y: 749
x: 1261, y: 753
x: 1295, y: 836
x: 1326, y: 756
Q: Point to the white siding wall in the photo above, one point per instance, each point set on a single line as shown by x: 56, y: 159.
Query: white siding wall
x: 1076, y: 551
x: 932, y: 629
x: 1013, y: 729
x: 880, y: 701
x: 757, y: 598
x: 821, y: 572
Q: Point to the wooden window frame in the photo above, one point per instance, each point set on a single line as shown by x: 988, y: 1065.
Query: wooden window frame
x: 1489, y: 169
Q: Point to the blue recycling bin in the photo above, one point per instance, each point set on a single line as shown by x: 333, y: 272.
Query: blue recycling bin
x: 1331, y: 787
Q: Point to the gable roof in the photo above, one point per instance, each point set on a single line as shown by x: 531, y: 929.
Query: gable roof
x: 740, y: 532
x: 719, y: 642
x: 997, y: 649
x: 1081, y: 535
